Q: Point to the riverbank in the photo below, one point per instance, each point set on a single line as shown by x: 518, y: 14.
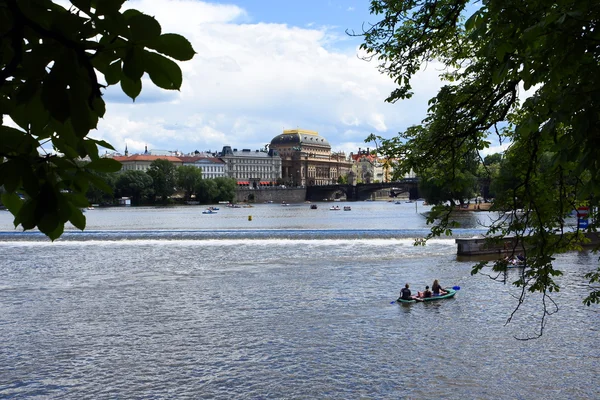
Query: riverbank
x: 475, y: 207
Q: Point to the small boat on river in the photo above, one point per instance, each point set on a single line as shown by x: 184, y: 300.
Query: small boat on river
x: 450, y: 293
x: 347, y: 208
x: 209, y: 211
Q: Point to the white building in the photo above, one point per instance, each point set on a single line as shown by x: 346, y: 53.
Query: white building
x: 211, y: 167
x: 252, y: 168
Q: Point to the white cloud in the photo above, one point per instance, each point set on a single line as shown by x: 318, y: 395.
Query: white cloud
x: 251, y: 80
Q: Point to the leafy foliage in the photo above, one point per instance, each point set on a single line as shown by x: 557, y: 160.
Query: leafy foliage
x: 188, y: 178
x: 135, y: 184
x: 549, y: 48
x: 51, y: 59
x: 163, y: 178
x: 226, y: 188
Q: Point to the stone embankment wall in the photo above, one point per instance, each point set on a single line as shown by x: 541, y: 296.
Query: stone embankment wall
x: 274, y: 194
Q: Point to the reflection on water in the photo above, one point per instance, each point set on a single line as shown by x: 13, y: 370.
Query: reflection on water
x: 282, y: 312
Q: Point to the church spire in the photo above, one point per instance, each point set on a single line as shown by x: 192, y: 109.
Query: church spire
x: 126, y: 151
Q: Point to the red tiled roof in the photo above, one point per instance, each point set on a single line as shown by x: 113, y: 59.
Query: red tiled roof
x: 145, y: 157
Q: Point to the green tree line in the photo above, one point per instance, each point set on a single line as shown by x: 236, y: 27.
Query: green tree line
x: 159, y: 184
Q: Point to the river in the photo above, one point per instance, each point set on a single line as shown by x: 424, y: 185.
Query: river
x: 293, y: 303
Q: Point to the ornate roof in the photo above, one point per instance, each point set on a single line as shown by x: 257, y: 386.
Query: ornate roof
x: 300, y: 136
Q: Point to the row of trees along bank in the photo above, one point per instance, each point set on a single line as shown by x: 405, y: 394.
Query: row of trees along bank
x: 163, y: 183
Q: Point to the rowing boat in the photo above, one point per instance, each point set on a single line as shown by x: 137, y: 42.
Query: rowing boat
x: 450, y: 293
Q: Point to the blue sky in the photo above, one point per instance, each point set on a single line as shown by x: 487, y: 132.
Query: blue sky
x: 261, y: 67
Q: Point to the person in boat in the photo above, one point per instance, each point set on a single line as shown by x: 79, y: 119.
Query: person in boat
x: 405, y: 293
x: 427, y: 293
x: 521, y: 257
x: 437, y: 289
x: 424, y: 294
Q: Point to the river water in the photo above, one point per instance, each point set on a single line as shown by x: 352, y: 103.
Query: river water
x: 162, y: 303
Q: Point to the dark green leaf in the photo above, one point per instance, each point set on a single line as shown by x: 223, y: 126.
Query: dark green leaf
x: 104, y: 165
x: 83, y: 5
x: 77, y: 218
x: 131, y: 88
x: 163, y: 72
x: 113, y: 73
x: 81, y: 115
x: 11, y: 175
x: 107, y: 7
x: 173, y: 45
x: 144, y: 27
x: 133, y: 64
x: 13, y: 202
x: 55, y: 97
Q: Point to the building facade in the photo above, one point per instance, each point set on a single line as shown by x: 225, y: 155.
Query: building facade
x: 307, y: 160
x: 141, y: 162
x: 211, y: 167
x: 252, y: 168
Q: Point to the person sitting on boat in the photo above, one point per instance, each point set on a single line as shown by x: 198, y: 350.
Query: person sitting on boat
x: 437, y: 289
x: 427, y: 293
x: 521, y: 257
x: 405, y: 293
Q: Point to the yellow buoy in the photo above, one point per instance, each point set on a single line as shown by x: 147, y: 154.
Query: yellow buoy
x: 249, y: 217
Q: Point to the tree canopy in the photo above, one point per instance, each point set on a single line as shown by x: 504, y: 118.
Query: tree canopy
x: 526, y: 72
x: 55, y: 64
x: 163, y: 174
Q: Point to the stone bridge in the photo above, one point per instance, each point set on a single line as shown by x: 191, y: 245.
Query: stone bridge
x: 363, y: 191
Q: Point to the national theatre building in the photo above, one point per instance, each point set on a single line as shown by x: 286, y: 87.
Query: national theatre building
x: 307, y: 160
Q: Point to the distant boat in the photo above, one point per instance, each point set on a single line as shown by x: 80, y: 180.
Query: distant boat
x: 313, y: 206
x: 347, y: 208
x: 334, y: 208
x: 209, y: 211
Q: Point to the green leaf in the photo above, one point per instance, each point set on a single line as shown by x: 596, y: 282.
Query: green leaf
x: 77, y: 218
x: 78, y: 200
x: 83, y: 5
x: 104, y: 165
x: 107, y: 7
x: 91, y: 149
x: 99, y: 107
x: 11, y: 175
x: 13, y: 202
x: 144, y: 27
x: 27, y: 214
x: 131, y: 88
x: 100, y: 183
x: 55, y: 97
x: 55, y: 234
x: 16, y: 141
x: 173, y: 45
x: 163, y: 72
x: 133, y: 64
x: 113, y: 73
x: 81, y: 115
x: 104, y: 144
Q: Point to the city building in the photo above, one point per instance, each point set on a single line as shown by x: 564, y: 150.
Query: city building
x: 141, y: 162
x: 307, y: 160
x: 211, y: 167
x: 252, y: 168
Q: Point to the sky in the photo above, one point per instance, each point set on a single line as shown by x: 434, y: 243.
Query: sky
x: 262, y: 67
